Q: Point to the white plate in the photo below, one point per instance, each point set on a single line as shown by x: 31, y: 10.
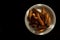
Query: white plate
x: 48, y: 29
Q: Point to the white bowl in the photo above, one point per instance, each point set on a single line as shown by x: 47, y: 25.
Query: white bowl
x: 50, y: 28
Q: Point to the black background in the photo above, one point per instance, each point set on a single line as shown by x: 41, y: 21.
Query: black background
x: 12, y: 18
